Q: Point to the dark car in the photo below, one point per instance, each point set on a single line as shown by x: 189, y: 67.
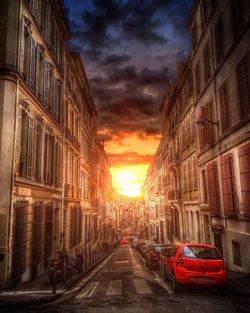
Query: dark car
x: 152, y: 255
x: 142, y: 247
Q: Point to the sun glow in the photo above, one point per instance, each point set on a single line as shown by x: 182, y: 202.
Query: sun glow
x: 128, y: 180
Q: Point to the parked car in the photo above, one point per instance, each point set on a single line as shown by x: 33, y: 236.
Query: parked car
x: 165, y: 251
x: 152, y: 255
x: 196, y: 264
x: 124, y: 241
x: 142, y: 247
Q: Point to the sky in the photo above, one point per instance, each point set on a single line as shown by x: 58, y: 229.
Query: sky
x: 129, y: 49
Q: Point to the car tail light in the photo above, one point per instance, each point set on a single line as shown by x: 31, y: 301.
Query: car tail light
x: 180, y: 262
x: 153, y: 253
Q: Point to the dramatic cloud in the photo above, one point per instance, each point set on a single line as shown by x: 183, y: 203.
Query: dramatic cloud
x: 130, y: 49
x: 130, y: 157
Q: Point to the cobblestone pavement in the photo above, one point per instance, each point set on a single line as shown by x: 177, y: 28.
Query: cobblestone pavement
x: 124, y: 284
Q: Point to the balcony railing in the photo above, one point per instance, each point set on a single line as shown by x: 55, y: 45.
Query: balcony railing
x: 174, y: 195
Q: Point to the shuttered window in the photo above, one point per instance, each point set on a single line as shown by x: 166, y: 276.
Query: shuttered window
x: 244, y: 164
x: 204, y: 13
x: 224, y: 106
x: 38, y: 151
x: 195, y: 180
x: 219, y: 39
x: 228, y: 186
x: 76, y: 226
x: 207, y: 62
x: 194, y: 35
x: 213, y: 188
x: 37, y: 233
x: 209, y: 126
x: 30, y: 147
x: 32, y: 81
x: 203, y: 131
x: 197, y: 79
x: 243, y: 84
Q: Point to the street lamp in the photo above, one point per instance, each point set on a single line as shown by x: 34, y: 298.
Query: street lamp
x: 201, y: 123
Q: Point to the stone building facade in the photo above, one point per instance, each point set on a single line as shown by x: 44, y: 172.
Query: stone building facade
x: 47, y: 142
x: 220, y: 36
x: 205, y: 135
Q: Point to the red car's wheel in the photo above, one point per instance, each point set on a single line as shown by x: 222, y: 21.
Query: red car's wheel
x: 175, y: 284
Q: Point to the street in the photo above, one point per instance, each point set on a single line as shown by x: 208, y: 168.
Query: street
x: 122, y: 283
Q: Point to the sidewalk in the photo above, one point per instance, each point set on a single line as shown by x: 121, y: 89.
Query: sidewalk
x: 40, y: 290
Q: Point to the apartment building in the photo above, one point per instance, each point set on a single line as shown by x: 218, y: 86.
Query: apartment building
x: 220, y: 36
x: 47, y: 143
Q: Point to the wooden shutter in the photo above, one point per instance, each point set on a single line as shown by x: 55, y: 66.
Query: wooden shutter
x: 228, y: 188
x: 38, y: 152
x: 244, y: 164
x: 209, y: 126
x: 219, y: 41
x: 46, y: 83
x: 213, y: 190
x: 30, y: 147
x: 33, y: 65
x: 22, y: 46
x: 37, y: 233
x: 203, y: 131
x: 243, y: 85
x: 224, y: 106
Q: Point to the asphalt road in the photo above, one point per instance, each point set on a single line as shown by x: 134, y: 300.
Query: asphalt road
x: 123, y: 284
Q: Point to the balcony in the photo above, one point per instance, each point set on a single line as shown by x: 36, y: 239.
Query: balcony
x: 174, y: 195
x: 174, y: 159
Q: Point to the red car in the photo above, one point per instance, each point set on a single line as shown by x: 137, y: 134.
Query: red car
x: 196, y: 264
x: 124, y: 241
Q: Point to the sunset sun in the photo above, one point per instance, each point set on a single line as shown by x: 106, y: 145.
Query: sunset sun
x: 127, y: 180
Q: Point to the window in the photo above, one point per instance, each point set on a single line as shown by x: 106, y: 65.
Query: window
x: 228, y: 188
x: 219, y: 39
x: 209, y: 126
x: 224, y: 106
x: 195, y: 173
x: 204, y: 186
x: 243, y: 85
x: 244, y: 164
x: 204, y: 13
x: 194, y: 35
x: 207, y: 63
x: 76, y: 223
x: 213, y: 188
x: 237, y: 16
x: 236, y: 253
x: 38, y: 151
x: 197, y: 79
x: 32, y: 76
x: 26, y: 153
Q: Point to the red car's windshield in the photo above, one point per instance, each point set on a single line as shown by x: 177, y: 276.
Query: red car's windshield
x: 200, y: 252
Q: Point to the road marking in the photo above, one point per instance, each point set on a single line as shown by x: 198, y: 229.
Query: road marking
x: 125, y: 261
x: 141, y: 286
x: 115, y: 288
x: 165, y: 285
x: 88, y: 290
